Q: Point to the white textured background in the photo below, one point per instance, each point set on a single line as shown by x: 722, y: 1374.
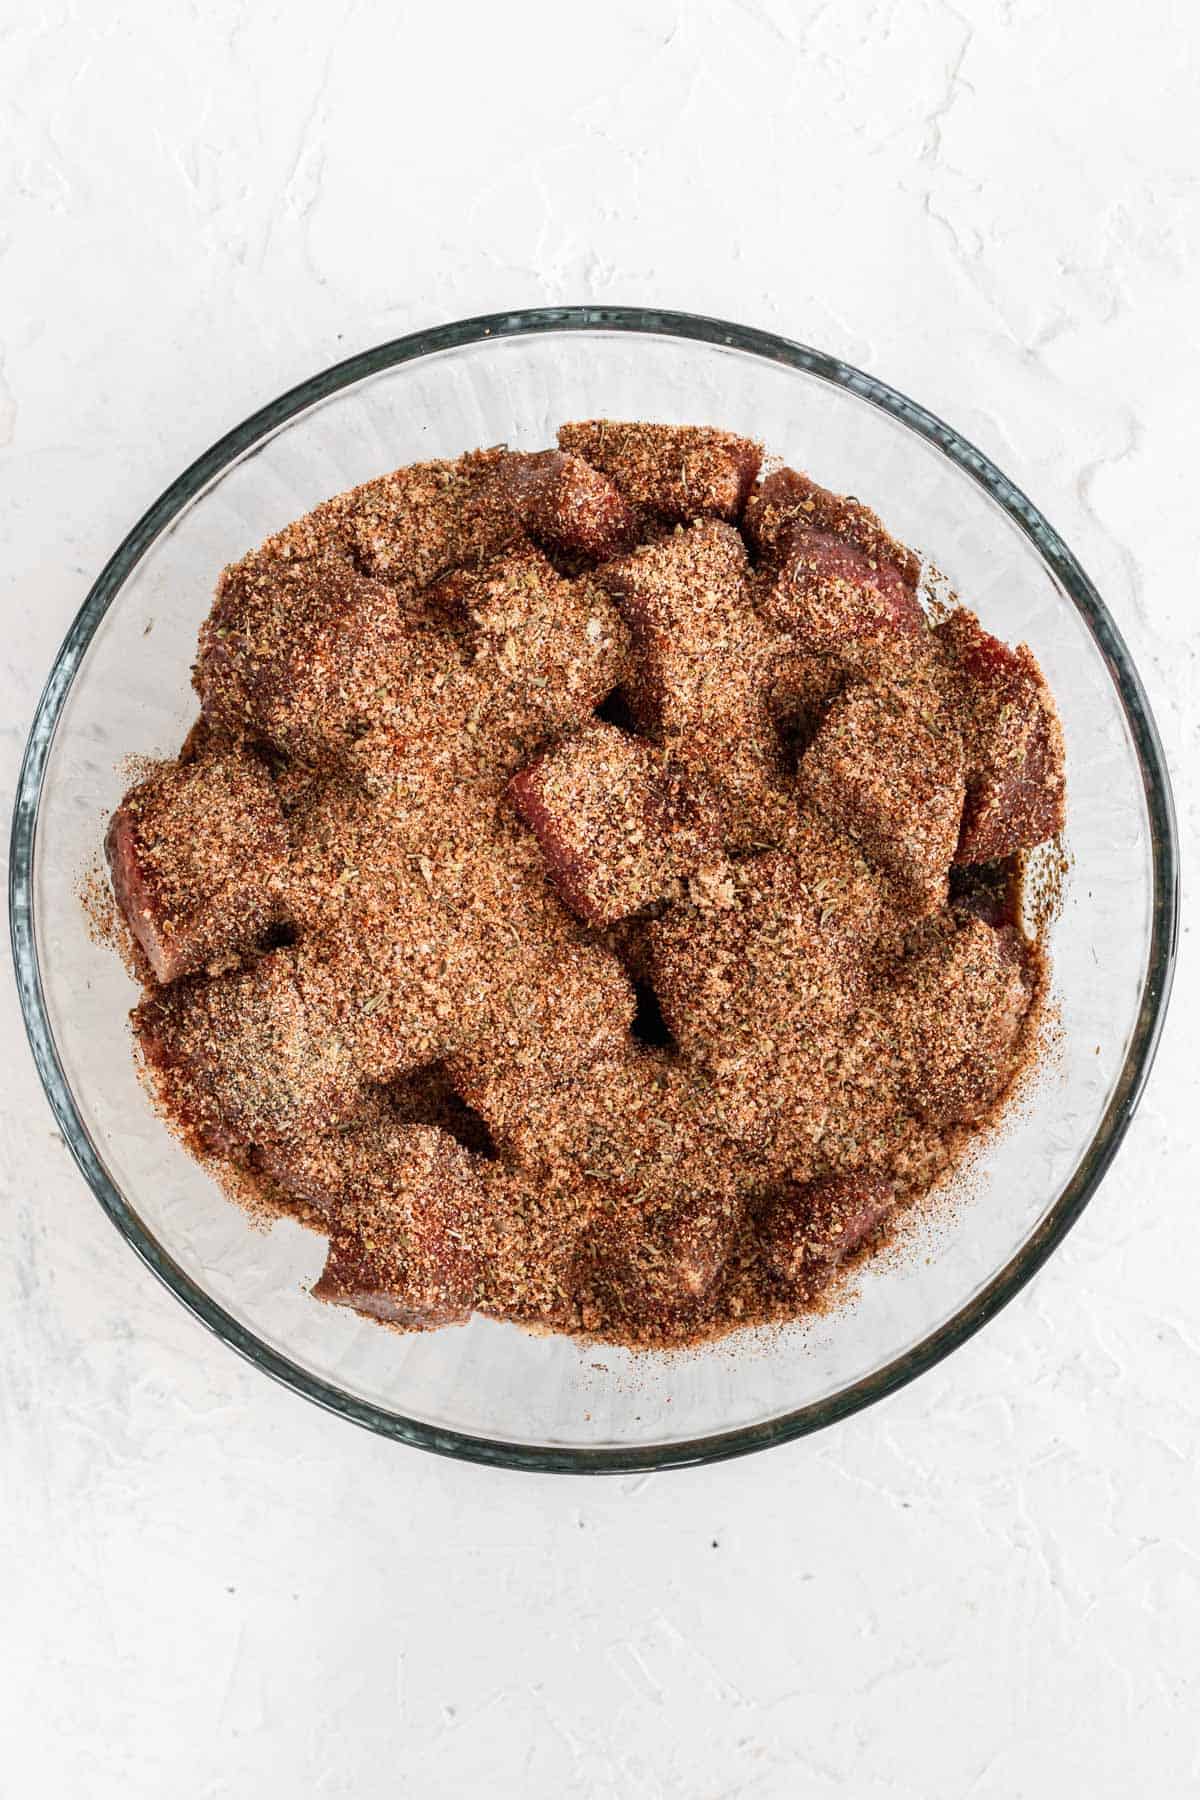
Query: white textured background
x: 988, y: 1586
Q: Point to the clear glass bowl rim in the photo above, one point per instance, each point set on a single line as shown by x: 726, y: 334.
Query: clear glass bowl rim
x: 1144, y: 1039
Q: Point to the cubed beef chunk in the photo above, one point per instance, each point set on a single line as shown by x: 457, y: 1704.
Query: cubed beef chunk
x: 559, y: 1012
x: 355, y: 870
x: 404, y: 1248
x: 1013, y: 740
x: 282, y: 1049
x: 787, y: 501
x: 681, y: 597
x: 663, y: 1205
x: 755, y: 976
x: 545, y: 650
x: 665, y: 1252
x: 251, y: 1057
x: 531, y: 1229
x: 566, y: 504
x: 617, y: 823
x: 313, y: 1172
x: 779, y: 943
x: 306, y: 655
x: 887, y: 768
x: 192, y: 850
x: 830, y: 596
x: 809, y: 1229
x: 550, y: 1020
x: 410, y: 526
x: 701, y: 675
x: 958, y: 1005
x: 355, y: 856
x: 677, y: 471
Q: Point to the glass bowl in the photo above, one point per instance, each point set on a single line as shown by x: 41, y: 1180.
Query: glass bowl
x: 491, y: 1392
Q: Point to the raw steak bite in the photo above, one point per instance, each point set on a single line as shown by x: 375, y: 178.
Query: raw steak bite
x: 550, y: 1019
x: 662, y: 1252
x: 832, y: 597
x: 404, y: 1247
x: 473, y: 981
x: 307, y: 655
x: 566, y: 504
x: 363, y: 860
x: 957, y: 1008
x: 463, y: 876
x: 312, y: 1173
x: 251, y: 1058
x: 679, y: 593
x: 558, y: 1013
x: 887, y: 768
x: 545, y: 650
x: 489, y: 956
x: 617, y: 824
x: 405, y: 528
x: 192, y: 850
x: 348, y: 859
x: 530, y: 1231
x: 701, y: 673
x: 409, y: 527
x: 806, y: 1232
x: 756, y: 977
x: 786, y: 501
x: 1013, y: 740
x: 663, y: 1206
x: 504, y: 891
x: 776, y: 946
x: 677, y: 471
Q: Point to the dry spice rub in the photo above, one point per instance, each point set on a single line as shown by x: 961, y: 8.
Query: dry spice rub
x: 587, y: 895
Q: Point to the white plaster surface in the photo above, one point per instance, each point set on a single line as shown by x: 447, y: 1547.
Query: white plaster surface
x: 988, y: 1585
